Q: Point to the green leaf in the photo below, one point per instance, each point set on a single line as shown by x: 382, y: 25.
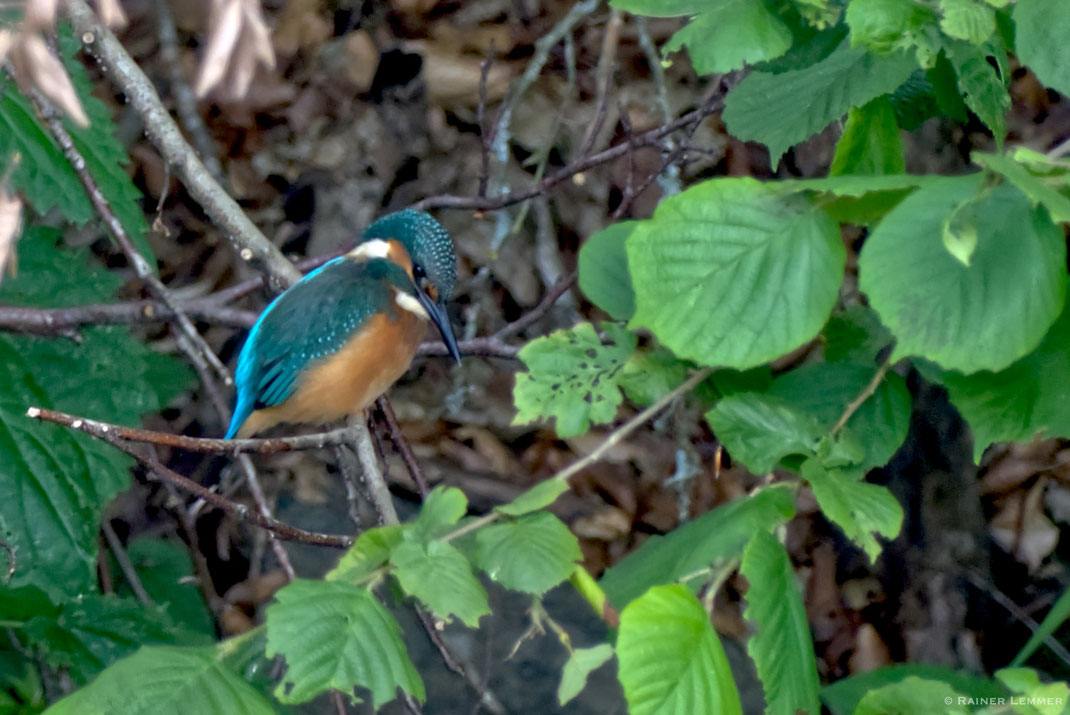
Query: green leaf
x: 870, y: 143
x: 671, y: 661
x: 702, y: 267
x: 603, y: 271
x: 439, y: 513
x: 370, y: 551
x: 580, y: 664
x: 441, y: 578
x: 1055, y: 618
x: 651, y: 374
x: 912, y: 695
x: 54, y: 483
x: 336, y: 636
x: 781, y: 646
x: 165, y: 680
x: 166, y: 571
x: 541, y: 495
x: 890, y: 25
x: 823, y: 391
x: 968, y: 20
x: 855, y: 336
x: 1041, y: 29
x: 712, y: 539
x: 1039, y: 192
x: 859, y: 508
x: 730, y: 34
x: 983, y: 87
x: 843, y: 696
x: 572, y: 377
x: 105, y: 156
x: 780, y: 110
x: 661, y: 8
x: 1039, y: 698
x: 759, y: 430
x: 85, y: 635
x: 532, y: 553
x: 1028, y: 400
x: 977, y: 317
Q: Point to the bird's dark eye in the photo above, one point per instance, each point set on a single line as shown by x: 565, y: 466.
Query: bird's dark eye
x: 418, y: 271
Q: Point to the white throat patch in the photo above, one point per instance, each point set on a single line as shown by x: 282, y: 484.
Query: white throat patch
x: 410, y: 304
x: 375, y: 248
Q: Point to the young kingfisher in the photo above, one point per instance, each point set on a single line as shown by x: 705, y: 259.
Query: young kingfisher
x: 342, y: 335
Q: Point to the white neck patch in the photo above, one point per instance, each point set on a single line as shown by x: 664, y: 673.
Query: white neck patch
x: 407, y: 302
x: 375, y: 248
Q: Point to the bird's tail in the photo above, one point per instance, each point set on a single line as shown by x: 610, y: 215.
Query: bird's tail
x: 241, y: 413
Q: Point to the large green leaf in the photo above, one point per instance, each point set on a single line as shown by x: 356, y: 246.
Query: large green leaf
x: 781, y: 646
x: 166, y: 680
x: 870, y: 143
x: 981, y: 316
x: 712, y: 539
x: 969, y: 20
x: 54, y: 482
x: 572, y: 378
x: 661, y: 8
x: 759, y: 430
x: 730, y: 34
x: 603, y: 271
x: 166, y: 571
x: 370, y: 551
x: 983, y: 86
x: 336, y: 636
x: 670, y: 659
x: 1035, y: 187
x: 912, y: 695
x: 1040, y: 31
x: 441, y: 578
x: 780, y: 110
x: 843, y: 696
x: 439, y: 513
x: 532, y: 553
x: 580, y: 664
x: 890, y: 25
x: 859, y: 508
x: 1030, y: 399
x: 702, y: 268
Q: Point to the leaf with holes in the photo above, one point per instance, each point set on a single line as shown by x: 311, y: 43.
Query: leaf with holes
x: 572, y: 378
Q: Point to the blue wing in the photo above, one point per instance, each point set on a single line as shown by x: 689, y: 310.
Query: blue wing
x: 314, y: 318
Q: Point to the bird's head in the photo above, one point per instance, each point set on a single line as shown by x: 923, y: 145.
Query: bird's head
x: 428, y: 257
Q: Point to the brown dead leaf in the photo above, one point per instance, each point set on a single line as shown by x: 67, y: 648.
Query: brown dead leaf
x: 453, y: 79
x: 10, y: 223
x: 301, y: 24
x: 1017, y: 463
x: 606, y: 524
x: 40, y: 15
x: 111, y: 13
x: 37, y: 66
x: 870, y: 651
x: 1022, y: 529
x: 238, y: 43
x: 363, y: 59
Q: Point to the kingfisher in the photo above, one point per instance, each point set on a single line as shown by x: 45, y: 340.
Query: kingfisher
x: 342, y: 335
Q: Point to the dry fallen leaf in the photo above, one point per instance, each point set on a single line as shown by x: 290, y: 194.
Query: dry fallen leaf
x: 10, y: 222
x: 238, y: 42
x: 301, y: 24
x: 37, y: 66
x: 1022, y: 529
x: 111, y: 13
x: 870, y: 651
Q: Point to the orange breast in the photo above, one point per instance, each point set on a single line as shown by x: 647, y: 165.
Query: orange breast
x: 350, y: 379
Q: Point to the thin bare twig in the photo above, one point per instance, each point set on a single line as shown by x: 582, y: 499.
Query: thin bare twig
x: 487, y: 699
x: 117, y: 64
x: 402, y: 446
x: 606, y: 62
x: 12, y: 561
x: 866, y: 393
x: 374, y: 483
x: 601, y: 450
x: 125, y: 565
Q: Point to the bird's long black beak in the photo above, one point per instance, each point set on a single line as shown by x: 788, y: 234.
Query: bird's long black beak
x: 441, y: 319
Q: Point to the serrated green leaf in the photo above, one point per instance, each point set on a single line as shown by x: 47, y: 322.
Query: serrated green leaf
x: 580, y: 664
x: 169, y: 681
x: 651, y: 374
x: 441, y: 578
x: 671, y: 661
x: 441, y: 510
x: 336, y: 636
x: 870, y: 143
x: 702, y: 266
x: 912, y: 695
x: 759, y: 430
x: 781, y: 646
x: 969, y: 20
x: 1039, y: 192
x: 532, y: 553
x: 961, y: 317
x: 859, y: 508
x: 889, y: 25
x: 781, y: 110
x: 983, y: 87
x: 855, y: 336
x: 1041, y: 29
x: 370, y: 551
x: 730, y: 34
x: 603, y: 271
x: 843, y: 696
x: 823, y: 391
x: 712, y: 539
x: 541, y: 495
x: 1030, y: 399
x: 1037, y: 698
x: 87, y: 634
x: 572, y: 378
